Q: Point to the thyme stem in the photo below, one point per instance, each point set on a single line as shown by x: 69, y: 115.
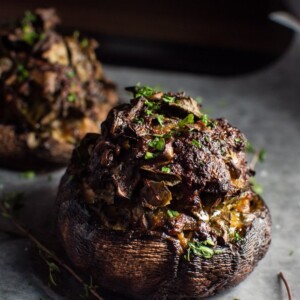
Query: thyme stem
x: 22, y: 229
x: 289, y: 291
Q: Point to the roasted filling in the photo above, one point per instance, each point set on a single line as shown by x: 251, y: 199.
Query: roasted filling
x: 51, y: 86
x: 162, y: 165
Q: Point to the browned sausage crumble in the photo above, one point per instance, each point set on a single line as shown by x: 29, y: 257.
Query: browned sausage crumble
x: 52, y: 88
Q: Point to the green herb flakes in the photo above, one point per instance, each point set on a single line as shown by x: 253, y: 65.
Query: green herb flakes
x: 199, y: 100
x: 29, y: 35
x: 139, y: 121
x: 237, y: 237
x: 76, y: 34
x: 160, y: 119
x: 262, y: 155
x: 144, y: 91
x: 151, y: 107
x: 196, y: 143
x: 165, y: 169
x: 207, y: 139
x: 29, y: 17
x: 149, y: 155
x: 71, y: 97
x: 203, y: 249
x: 256, y: 187
x: 71, y: 74
x: 205, y: 119
x: 157, y: 143
x: 84, y: 43
x: 172, y: 213
x: 28, y: 175
x: 249, y: 147
x: 168, y: 98
x: 22, y: 72
x: 189, y: 119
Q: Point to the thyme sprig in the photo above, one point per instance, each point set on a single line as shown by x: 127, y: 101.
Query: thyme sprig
x: 55, y: 262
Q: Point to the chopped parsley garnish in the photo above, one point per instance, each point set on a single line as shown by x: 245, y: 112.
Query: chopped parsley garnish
x: 160, y: 144
x: 152, y: 107
x: 223, y: 151
x: 256, y: 187
x: 71, y: 74
x: 22, y: 72
x: 196, y: 143
x: 172, y: 213
x: 28, y: 175
x: 157, y: 143
x: 151, y: 104
x: 262, y: 155
x: 168, y: 98
x: 237, y: 236
x: 139, y: 121
x: 71, y: 97
x: 199, y: 99
x: 76, y: 34
x: 203, y: 249
x: 29, y: 35
x: 189, y: 119
x: 144, y: 91
x: 28, y: 17
x: 165, y: 169
x: 249, y: 147
x: 205, y: 119
x: 149, y: 155
x: 207, y: 139
x: 84, y: 43
x: 160, y: 119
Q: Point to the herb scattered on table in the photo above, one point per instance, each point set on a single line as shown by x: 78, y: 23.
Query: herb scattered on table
x: 28, y: 175
x: 7, y: 209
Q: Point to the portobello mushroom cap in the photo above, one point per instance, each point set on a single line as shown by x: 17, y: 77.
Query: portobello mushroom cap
x: 52, y: 92
x: 159, y: 206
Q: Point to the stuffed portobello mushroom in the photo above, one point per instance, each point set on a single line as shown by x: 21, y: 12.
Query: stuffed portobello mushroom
x: 52, y: 91
x: 159, y: 206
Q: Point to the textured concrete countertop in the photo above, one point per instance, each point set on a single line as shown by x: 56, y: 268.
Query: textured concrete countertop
x: 266, y: 107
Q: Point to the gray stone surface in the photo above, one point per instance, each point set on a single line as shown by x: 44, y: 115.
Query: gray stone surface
x: 265, y: 106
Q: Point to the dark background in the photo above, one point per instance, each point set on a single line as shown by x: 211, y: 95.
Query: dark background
x: 208, y: 36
